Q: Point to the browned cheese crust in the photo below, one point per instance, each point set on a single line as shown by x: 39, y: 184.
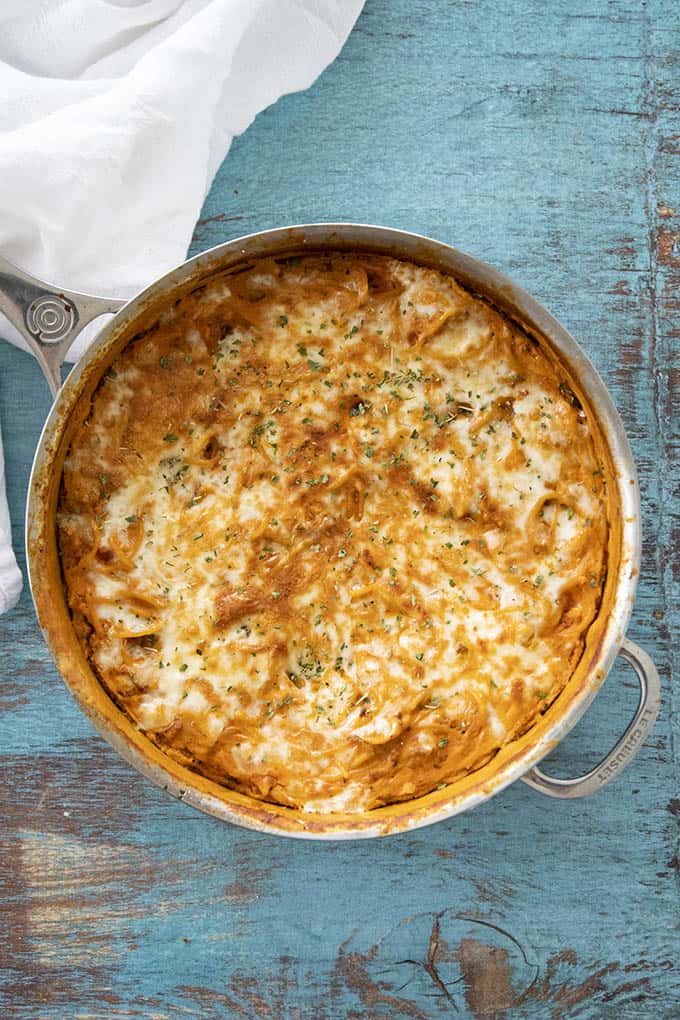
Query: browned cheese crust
x: 333, y: 531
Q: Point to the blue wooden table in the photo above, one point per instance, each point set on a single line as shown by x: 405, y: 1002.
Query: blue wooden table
x: 543, y: 138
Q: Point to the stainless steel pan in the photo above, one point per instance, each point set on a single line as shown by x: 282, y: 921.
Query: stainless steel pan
x: 50, y: 319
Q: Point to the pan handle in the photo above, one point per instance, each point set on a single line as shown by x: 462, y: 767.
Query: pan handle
x: 48, y: 318
x: 625, y: 749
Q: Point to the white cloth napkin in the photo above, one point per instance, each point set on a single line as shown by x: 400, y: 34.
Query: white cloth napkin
x: 114, y: 117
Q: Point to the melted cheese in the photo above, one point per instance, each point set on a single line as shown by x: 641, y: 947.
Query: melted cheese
x: 333, y: 531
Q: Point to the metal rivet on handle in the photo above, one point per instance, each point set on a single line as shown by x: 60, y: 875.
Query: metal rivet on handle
x: 50, y: 317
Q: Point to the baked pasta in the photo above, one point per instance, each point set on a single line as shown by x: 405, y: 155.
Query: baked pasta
x: 333, y: 531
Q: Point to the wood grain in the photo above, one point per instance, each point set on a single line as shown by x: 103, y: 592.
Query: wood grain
x: 545, y: 139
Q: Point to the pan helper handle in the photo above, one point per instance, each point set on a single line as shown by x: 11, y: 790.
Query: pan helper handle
x: 48, y: 318
x: 625, y: 749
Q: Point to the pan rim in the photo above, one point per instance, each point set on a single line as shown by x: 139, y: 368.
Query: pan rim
x: 512, y: 299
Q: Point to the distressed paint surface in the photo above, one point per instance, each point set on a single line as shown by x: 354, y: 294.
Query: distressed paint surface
x: 543, y: 138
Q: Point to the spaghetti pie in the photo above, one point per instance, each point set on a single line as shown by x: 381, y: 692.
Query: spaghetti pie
x: 333, y: 531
